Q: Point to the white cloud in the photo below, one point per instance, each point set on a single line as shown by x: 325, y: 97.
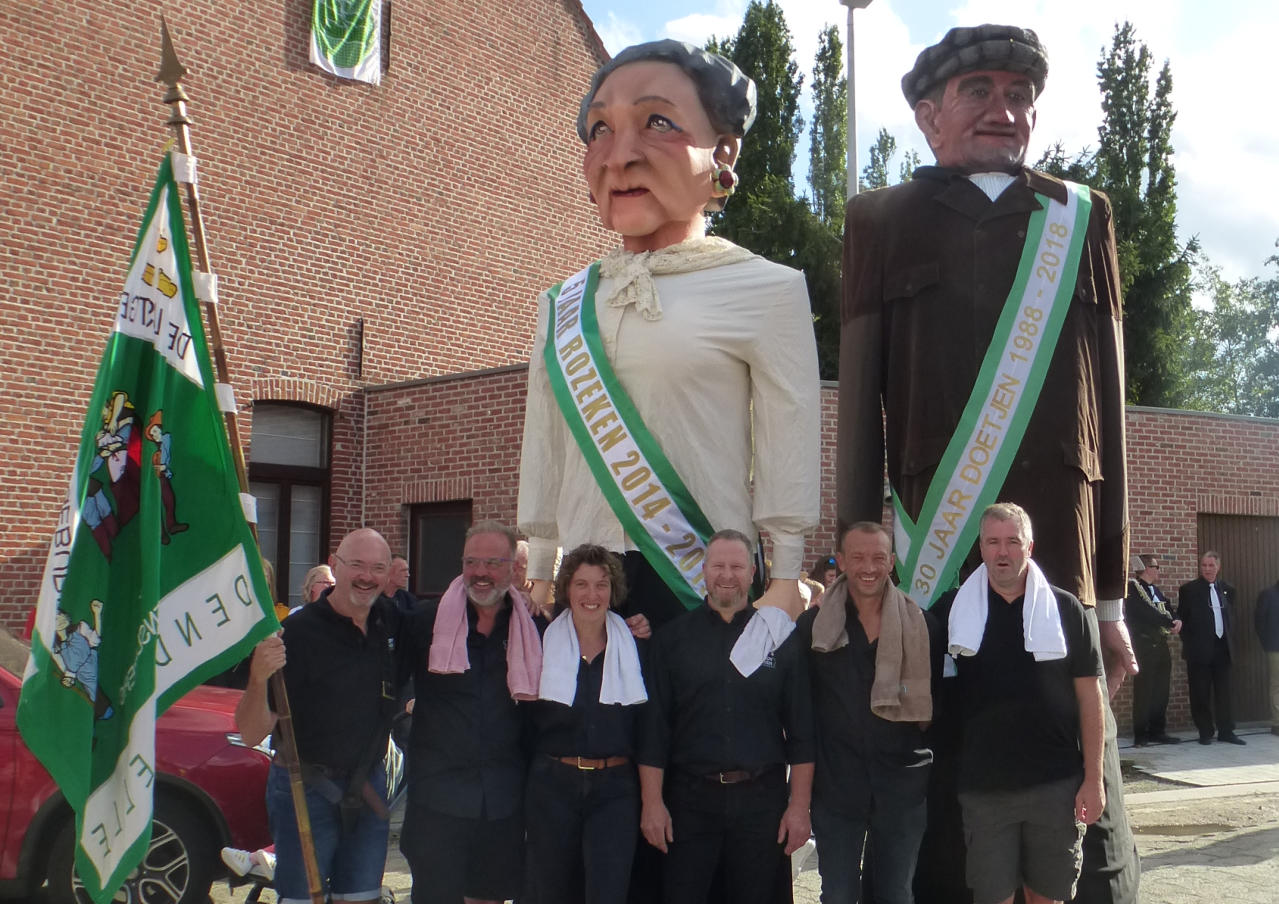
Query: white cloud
x: 618, y: 34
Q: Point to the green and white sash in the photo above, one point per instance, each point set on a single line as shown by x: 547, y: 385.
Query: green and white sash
x: 932, y: 548
x: 638, y: 481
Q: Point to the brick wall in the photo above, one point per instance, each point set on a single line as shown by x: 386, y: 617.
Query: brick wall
x: 432, y: 208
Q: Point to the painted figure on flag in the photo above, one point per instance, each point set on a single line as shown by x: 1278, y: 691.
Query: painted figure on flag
x: 119, y: 461
x: 75, y: 652
x: 161, y: 460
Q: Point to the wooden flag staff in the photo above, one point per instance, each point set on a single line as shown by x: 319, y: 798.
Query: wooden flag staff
x: 171, y: 74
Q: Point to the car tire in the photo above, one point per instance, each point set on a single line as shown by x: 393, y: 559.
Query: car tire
x: 177, y: 867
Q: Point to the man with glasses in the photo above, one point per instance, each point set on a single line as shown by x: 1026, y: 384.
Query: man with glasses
x: 341, y: 672
x: 474, y: 655
x: 1150, y: 621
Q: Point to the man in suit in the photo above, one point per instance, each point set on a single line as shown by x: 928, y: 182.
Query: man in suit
x: 1150, y: 621
x: 1204, y: 606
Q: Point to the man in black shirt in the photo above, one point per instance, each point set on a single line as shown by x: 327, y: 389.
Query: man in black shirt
x: 721, y: 740
x: 1030, y: 759
x: 340, y: 674
x: 464, y: 828
x: 872, y: 758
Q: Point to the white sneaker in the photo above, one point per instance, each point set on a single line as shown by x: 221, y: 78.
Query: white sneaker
x: 238, y: 861
x: 263, y: 865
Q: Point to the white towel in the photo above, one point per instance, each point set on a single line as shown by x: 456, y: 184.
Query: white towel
x: 763, y: 634
x: 622, y: 683
x: 1040, y: 617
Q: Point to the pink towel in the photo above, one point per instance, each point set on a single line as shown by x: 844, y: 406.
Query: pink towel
x: 523, y: 647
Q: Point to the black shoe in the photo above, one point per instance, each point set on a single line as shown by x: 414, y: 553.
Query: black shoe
x: 1164, y: 739
x: 1140, y: 742
x: 1205, y: 740
x: 1232, y: 738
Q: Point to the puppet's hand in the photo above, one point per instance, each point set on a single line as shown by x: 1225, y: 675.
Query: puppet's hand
x: 784, y: 594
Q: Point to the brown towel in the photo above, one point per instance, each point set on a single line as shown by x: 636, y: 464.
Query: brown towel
x: 903, y: 671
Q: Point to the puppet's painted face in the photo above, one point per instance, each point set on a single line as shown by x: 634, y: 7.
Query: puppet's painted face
x: 650, y: 149
x: 982, y: 123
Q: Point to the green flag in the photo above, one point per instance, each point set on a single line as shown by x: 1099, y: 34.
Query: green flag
x: 346, y: 38
x: 153, y: 581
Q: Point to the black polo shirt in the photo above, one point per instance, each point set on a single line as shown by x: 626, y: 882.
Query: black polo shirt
x: 1021, y: 717
x: 859, y: 754
x: 338, y: 678
x: 465, y: 754
x: 704, y: 717
x: 588, y: 728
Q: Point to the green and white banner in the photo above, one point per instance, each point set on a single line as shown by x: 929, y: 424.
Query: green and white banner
x: 153, y: 582
x: 346, y: 38
x: 931, y: 549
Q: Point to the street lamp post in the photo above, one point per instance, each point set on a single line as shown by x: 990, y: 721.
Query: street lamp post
x: 852, y: 101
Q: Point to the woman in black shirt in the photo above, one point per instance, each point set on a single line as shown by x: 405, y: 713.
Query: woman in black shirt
x: 582, y: 794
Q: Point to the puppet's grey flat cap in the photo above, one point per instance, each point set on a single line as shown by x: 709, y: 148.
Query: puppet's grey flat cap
x: 963, y: 50
x: 727, y: 95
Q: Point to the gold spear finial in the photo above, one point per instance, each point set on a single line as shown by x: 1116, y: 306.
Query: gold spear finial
x: 171, y: 69
x: 171, y: 73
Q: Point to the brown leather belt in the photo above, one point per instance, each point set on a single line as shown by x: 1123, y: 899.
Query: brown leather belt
x: 586, y: 764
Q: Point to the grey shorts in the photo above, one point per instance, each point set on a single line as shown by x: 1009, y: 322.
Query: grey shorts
x: 1025, y: 837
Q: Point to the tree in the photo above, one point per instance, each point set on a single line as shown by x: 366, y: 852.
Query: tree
x: 828, y: 135
x: 763, y: 50
x: 1233, y: 355
x: 1133, y: 165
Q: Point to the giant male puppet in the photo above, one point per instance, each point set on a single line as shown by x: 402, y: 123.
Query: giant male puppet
x: 981, y: 350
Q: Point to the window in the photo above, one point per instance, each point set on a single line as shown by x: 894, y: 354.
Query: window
x: 437, y: 533
x: 289, y: 475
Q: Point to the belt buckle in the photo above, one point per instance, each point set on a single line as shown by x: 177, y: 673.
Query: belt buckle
x: 585, y: 768
x: 721, y: 779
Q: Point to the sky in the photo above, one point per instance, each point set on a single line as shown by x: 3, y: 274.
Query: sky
x: 1224, y: 141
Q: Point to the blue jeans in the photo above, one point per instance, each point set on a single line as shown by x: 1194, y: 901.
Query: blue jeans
x: 351, y: 864
x: 895, y: 828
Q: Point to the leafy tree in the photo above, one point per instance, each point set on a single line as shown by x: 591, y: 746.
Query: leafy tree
x: 764, y: 214
x: 828, y: 145
x: 875, y: 173
x: 1233, y: 355
x: 910, y: 163
x: 1133, y: 165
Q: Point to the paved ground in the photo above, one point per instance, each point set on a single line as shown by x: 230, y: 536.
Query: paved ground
x: 1206, y: 818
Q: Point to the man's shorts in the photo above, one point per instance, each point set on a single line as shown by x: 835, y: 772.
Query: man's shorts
x: 352, y: 862
x: 1025, y: 837
x: 452, y: 857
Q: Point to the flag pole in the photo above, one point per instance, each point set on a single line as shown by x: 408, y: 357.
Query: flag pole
x: 171, y: 74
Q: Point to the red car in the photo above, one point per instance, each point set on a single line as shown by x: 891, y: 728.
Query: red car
x: 209, y: 793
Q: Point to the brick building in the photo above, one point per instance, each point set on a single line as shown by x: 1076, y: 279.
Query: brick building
x: 379, y: 250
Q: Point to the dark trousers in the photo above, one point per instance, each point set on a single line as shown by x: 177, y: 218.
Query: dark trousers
x: 1210, y: 693
x: 1150, y: 686
x: 730, y: 825
x: 896, y: 827
x: 582, y: 828
x: 1112, y: 869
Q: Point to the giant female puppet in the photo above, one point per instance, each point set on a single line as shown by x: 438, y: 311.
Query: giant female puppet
x: 673, y: 385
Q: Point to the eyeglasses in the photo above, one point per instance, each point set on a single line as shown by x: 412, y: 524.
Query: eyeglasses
x: 374, y: 568
x: 492, y: 562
